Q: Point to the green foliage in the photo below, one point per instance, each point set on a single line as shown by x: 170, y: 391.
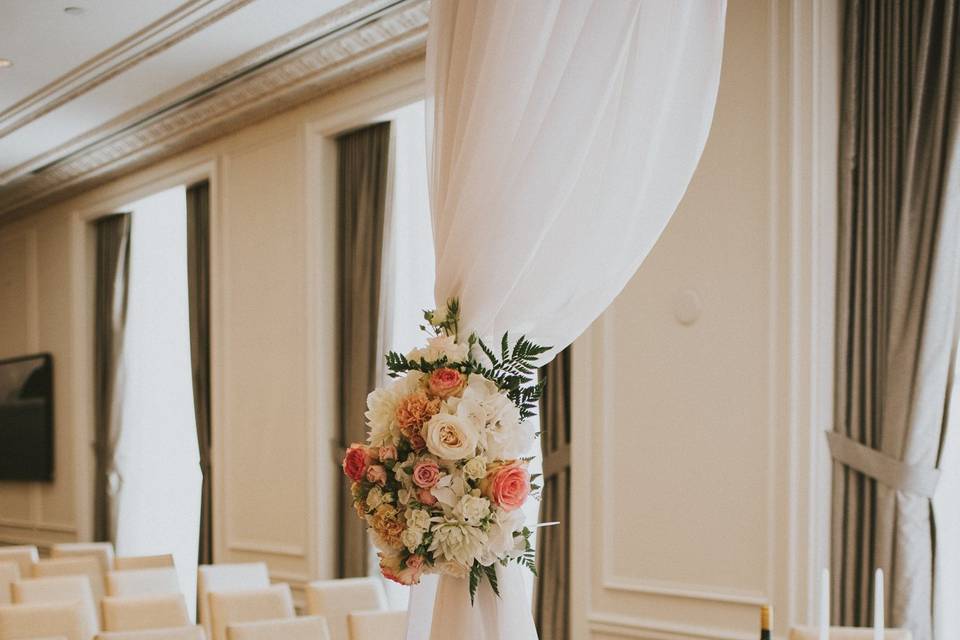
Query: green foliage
x: 477, y: 573
x: 515, y: 371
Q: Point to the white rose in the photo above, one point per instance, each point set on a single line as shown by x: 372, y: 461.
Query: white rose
x: 440, y: 347
x: 472, y: 510
x: 451, y: 437
x: 457, y: 542
x: 418, y: 519
x: 411, y: 538
x: 476, y: 468
x: 374, y: 498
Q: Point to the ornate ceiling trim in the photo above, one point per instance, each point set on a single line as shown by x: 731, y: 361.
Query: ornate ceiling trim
x: 361, y: 38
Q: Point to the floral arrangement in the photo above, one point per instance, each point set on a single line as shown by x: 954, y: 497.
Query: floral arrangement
x: 442, y: 478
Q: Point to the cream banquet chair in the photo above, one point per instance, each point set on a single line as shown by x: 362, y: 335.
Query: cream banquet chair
x: 25, y: 556
x: 143, y: 582
x: 20, y: 621
x: 62, y: 590
x: 144, y: 612
x: 302, y: 628
x: 226, y: 577
x: 79, y: 566
x: 377, y: 625
x: 9, y: 573
x: 102, y: 551
x: 334, y: 599
x: 847, y: 633
x: 231, y: 607
x: 128, y: 563
x: 170, y: 633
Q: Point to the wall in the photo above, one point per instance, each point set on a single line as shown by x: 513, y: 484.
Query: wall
x: 272, y: 332
x: 699, y: 396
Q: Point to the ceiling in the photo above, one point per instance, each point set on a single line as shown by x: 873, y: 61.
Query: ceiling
x: 85, y: 71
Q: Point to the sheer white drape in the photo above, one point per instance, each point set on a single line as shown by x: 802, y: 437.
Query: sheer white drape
x: 561, y: 137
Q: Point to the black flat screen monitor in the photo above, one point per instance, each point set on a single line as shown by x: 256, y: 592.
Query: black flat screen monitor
x: 26, y: 418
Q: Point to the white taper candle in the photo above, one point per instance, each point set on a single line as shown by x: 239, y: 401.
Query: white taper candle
x: 878, y: 623
x: 825, y: 605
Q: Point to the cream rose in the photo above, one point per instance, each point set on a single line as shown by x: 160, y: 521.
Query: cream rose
x: 418, y: 519
x: 451, y: 437
x: 476, y: 468
x: 472, y: 509
x: 411, y: 538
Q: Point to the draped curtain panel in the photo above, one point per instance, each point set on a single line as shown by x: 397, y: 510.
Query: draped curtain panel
x: 552, y: 601
x: 562, y: 134
x: 112, y: 285
x: 897, y: 300
x: 363, y: 162
x: 198, y: 284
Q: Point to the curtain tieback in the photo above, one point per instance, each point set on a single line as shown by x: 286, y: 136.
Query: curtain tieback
x: 909, y: 478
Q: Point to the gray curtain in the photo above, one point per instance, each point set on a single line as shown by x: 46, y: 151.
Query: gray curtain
x: 553, y: 546
x: 198, y: 284
x: 112, y: 278
x: 897, y: 298
x: 363, y: 160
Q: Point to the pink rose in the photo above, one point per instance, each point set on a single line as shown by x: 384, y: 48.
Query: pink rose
x: 445, y: 382
x: 425, y: 497
x: 377, y: 474
x: 426, y: 474
x: 388, y: 453
x: 356, y: 461
x: 507, y: 486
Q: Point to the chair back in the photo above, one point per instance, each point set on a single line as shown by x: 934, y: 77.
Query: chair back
x: 231, y: 607
x: 226, y: 577
x: 170, y: 633
x: 102, y: 551
x: 76, y: 566
x: 63, y: 590
x: 24, y: 555
x: 302, y: 628
x: 847, y: 633
x: 144, y: 612
x: 9, y: 573
x: 334, y: 599
x: 377, y: 625
x: 18, y: 621
x: 127, y: 563
x: 143, y: 582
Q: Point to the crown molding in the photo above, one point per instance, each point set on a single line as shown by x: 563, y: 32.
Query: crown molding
x: 351, y: 43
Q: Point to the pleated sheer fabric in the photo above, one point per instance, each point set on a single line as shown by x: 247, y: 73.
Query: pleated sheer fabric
x: 198, y: 285
x: 112, y: 286
x: 363, y: 163
x: 897, y: 300
x: 561, y: 136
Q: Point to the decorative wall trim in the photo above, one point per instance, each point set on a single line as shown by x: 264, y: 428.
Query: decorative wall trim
x: 646, y: 629
x: 360, y: 39
x: 686, y: 591
x: 27, y: 525
x: 267, y: 548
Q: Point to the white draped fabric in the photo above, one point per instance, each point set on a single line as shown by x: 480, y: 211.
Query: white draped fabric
x: 561, y: 136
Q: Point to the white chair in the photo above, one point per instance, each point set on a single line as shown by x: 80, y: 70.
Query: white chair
x: 847, y: 633
x: 63, y: 590
x: 226, y: 577
x: 19, y: 621
x: 9, y: 573
x: 143, y: 582
x: 144, y: 612
x: 377, y: 625
x: 78, y: 566
x: 231, y: 607
x: 169, y: 633
x: 127, y: 563
x: 102, y: 551
x: 24, y: 555
x: 334, y: 599
x: 302, y: 628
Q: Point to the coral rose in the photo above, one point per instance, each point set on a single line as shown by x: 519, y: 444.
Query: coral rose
x: 427, y: 498
x: 446, y: 382
x: 377, y: 474
x: 507, y: 486
x: 356, y: 461
x: 426, y: 474
x: 388, y: 452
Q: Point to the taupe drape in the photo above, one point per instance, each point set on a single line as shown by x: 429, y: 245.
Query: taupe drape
x: 363, y: 159
x: 198, y: 284
x: 897, y: 295
x: 553, y: 546
x: 112, y: 284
